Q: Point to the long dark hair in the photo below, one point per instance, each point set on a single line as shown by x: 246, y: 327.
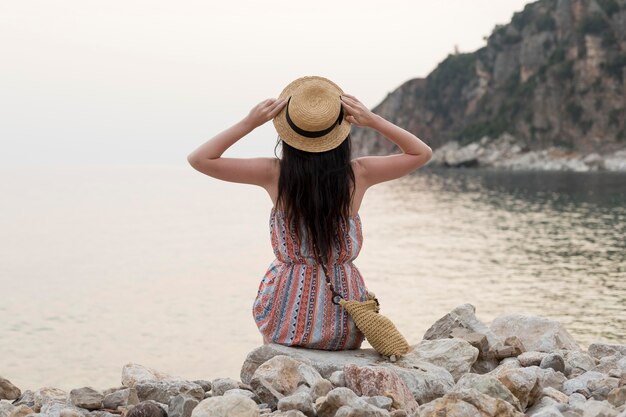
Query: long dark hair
x: 316, y: 189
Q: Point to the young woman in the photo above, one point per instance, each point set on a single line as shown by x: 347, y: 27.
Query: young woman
x: 316, y: 191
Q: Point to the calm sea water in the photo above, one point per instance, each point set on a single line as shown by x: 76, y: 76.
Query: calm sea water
x: 101, y: 266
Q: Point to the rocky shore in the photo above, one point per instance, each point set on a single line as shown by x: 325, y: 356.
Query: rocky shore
x: 518, y: 365
x: 507, y: 153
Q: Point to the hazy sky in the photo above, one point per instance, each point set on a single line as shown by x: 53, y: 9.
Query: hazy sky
x: 146, y: 82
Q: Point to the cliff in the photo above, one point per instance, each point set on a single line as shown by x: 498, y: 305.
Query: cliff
x: 554, y: 77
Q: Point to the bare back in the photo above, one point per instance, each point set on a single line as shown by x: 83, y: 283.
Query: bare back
x: 359, y: 192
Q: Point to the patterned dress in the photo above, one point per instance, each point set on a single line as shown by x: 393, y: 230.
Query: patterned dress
x: 293, y: 305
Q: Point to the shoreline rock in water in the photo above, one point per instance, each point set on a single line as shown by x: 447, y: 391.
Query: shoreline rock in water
x: 507, y: 153
x: 519, y: 365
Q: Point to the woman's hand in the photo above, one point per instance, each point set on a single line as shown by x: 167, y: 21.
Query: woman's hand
x: 358, y: 114
x: 265, y: 111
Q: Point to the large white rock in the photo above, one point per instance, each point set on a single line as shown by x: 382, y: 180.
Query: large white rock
x: 235, y: 405
x: 281, y: 375
x: 425, y: 380
x: 133, y: 373
x: 454, y: 354
x: 536, y: 332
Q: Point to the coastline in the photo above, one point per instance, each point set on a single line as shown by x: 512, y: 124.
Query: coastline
x: 507, y: 153
x: 519, y: 365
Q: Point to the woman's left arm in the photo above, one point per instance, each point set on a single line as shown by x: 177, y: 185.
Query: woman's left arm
x: 258, y: 171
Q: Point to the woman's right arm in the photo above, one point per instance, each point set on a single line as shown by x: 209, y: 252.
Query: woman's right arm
x: 376, y: 169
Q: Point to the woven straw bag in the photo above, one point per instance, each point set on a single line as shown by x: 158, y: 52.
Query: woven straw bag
x: 379, y: 331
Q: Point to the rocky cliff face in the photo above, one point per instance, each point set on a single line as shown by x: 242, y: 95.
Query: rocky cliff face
x: 555, y: 76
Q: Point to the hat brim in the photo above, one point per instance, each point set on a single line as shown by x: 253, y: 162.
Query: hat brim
x: 321, y: 144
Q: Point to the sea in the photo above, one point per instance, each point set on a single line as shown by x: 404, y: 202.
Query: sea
x: 105, y: 265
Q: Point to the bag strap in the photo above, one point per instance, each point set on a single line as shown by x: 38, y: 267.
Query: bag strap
x: 336, y: 297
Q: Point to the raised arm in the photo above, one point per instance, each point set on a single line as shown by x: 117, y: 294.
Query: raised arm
x: 376, y: 169
x: 207, y: 158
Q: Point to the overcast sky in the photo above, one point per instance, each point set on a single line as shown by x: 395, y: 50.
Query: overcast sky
x: 148, y: 81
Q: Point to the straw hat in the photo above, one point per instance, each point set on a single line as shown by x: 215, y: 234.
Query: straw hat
x: 313, y: 119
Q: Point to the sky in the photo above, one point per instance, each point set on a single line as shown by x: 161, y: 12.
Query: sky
x: 148, y: 81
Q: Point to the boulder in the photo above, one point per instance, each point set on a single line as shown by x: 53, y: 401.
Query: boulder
x: 8, y: 391
x: 133, y: 373
x: 379, y: 380
x: 226, y: 406
x: 120, y: 398
x: 464, y: 317
x: 181, y: 406
x: 600, y: 350
x: 281, y: 375
x: 454, y: 354
x: 86, y: 397
x: 163, y: 391
x: 488, y: 385
x: 342, y: 401
x: 536, y: 333
x: 468, y: 402
x: 48, y: 395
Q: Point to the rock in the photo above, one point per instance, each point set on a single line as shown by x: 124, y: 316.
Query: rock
x: 531, y: 358
x: 380, y: 401
x: 289, y: 413
x: 468, y: 402
x: 463, y: 316
x: 338, y: 379
x: 6, y: 408
x: 226, y: 406
x: 244, y: 392
x: 617, y: 396
x: 70, y: 412
x: 478, y: 340
x: 554, y: 361
x: 527, y: 383
x: 120, y: 398
x: 342, y: 401
x: 600, y: 388
x: 594, y: 408
x: 536, y: 332
x: 425, y: 380
x: 380, y: 380
x: 163, y: 391
x: 8, y: 391
x: 282, y: 375
x: 488, y: 385
x: 86, y: 397
x: 21, y: 410
x: 555, y: 394
x: 600, y: 350
x: 615, y: 364
x: 206, y: 385
x: 326, y: 362
x: 515, y: 342
x: 27, y: 398
x: 301, y: 401
x: 48, y: 395
x: 580, y: 382
x: 577, y: 362
x: 147, y: 409
x: 181, y: 406
x: 220, y: 385
x: 133, y: 373
x: 454, y: 354
x: 545, y: 407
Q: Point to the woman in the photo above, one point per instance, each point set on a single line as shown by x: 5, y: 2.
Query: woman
x: 316, y: 186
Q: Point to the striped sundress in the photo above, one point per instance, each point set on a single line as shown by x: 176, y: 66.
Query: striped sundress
x: 293, y: 306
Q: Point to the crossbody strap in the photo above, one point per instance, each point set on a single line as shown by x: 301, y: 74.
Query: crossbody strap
x: 336, y: 297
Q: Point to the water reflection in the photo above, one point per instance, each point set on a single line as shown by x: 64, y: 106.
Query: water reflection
x: 542, y: 243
